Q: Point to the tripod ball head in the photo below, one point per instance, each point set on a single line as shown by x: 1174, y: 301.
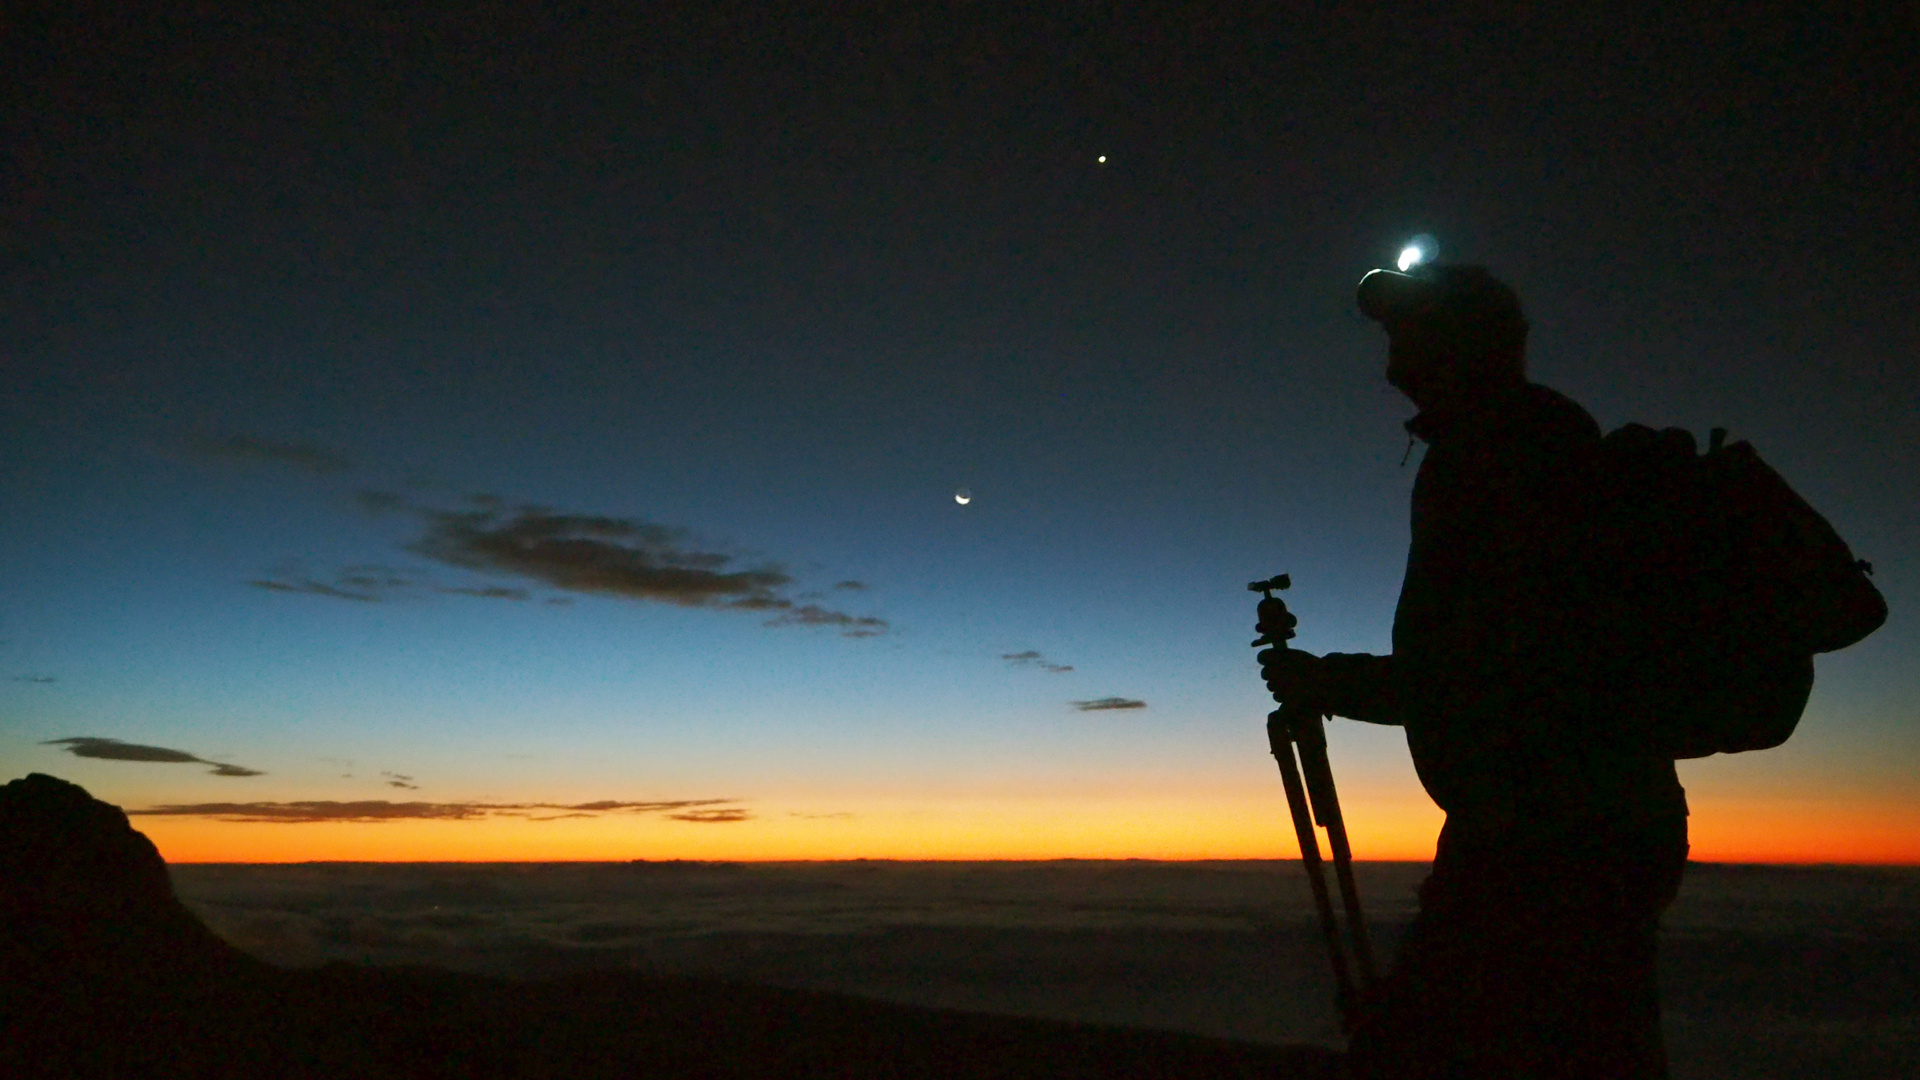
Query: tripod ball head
x: 1276, y: 622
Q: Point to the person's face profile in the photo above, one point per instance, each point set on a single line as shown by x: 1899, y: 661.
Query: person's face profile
x: 1416, y: 360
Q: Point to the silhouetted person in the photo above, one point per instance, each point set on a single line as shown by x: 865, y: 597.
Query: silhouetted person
x: 1533, y: 951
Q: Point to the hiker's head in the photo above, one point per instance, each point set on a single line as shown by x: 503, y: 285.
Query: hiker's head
x: 1454, y: 332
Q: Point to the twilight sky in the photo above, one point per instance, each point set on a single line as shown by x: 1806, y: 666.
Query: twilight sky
x: 492, y: 435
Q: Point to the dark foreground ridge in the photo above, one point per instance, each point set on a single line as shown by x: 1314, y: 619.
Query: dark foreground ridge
x: 103, y: 973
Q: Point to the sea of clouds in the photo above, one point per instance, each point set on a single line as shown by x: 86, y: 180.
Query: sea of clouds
x: 1766, y: 971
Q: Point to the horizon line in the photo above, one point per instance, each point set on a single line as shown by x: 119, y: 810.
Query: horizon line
x: 1805, y: 864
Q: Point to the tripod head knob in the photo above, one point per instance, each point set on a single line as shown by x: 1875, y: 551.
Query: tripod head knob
x: 1279, y: 581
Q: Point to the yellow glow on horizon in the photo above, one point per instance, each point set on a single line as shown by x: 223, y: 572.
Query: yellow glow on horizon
x: 1234, y: 825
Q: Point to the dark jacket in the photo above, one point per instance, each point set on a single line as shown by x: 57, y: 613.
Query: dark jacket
x: 1489, y: 641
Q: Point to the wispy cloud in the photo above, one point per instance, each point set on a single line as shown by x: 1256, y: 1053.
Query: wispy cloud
x: 1105, y: 703
x: 43, y: 680
x: 815, y: 615
x: 366, y: 584
x: 378, y: 810
x: 400, y: 780
x: 1032, y: 658
x: 246, y: 448
x: 486, y: 592
x: 309, y: 586
x: 580, y: 554
x: 591, y: 554
x: 617, y: 557
x: 114, y: 750
x: 376, y: 584
x: 723, y: 816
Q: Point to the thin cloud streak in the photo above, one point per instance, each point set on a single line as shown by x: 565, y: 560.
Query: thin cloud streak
x: 1034, y: 659
x: 1106, y: 703
x: 489, y: 592
x: 712, y: 817
x: 365, y: 584
x: 311, y: 587
x: 380, y: 810
x: 88, y: 746
x: 814, y: 615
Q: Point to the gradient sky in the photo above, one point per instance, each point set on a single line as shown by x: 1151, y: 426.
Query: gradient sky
x: 316, y: 327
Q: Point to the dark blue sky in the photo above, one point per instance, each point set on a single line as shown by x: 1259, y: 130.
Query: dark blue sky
x: 785, y: 283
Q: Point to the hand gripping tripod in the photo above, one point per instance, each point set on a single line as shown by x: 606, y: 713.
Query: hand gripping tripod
x: 1296, y: 728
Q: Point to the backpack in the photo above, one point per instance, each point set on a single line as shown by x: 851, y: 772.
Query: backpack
x: 1713, y: 584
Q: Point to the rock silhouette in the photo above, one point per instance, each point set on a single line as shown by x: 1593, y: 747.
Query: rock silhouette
x: 103, y: 973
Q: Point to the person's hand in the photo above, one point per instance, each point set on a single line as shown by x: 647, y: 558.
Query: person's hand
x: 1291, y: 675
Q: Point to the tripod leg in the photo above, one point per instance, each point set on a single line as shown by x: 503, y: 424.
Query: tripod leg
x: 1326, y: 808
x: 1281, y: 742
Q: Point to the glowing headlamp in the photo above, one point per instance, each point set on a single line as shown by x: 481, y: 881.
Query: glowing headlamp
x: 1421, y: 249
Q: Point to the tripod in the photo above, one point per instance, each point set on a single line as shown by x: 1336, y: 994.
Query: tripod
x: 1292, y: 730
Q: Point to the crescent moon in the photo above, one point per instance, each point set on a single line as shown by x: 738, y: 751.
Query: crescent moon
x: 963, y: 497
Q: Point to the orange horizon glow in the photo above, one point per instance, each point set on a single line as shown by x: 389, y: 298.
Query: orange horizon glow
x: 1723, y: 830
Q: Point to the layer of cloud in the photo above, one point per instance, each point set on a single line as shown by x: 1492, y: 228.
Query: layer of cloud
x: 1105, y: 703
x: 693, y: 915
x: 114, y: 750
x: 246, y: 448
x: 378, y: 810
x: 1032, y: 658
x: 43, y: 680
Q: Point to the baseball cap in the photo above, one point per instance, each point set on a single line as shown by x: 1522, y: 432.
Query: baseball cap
x: 1458, y: 294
